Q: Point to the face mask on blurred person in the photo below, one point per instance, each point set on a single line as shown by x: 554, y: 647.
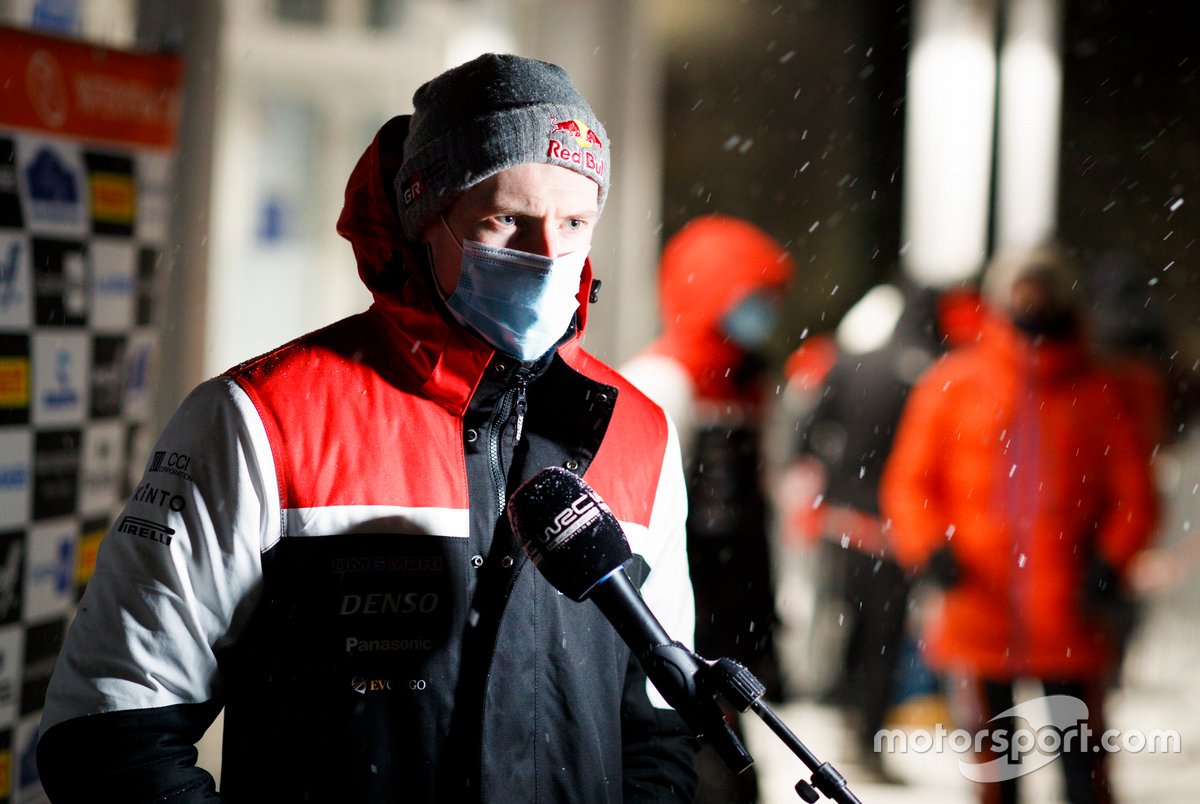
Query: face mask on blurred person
x: 750, y: 322
x: 1050, y: 324
x: 520, y: 303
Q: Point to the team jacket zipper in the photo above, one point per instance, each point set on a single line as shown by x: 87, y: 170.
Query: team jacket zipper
x: 512, y: 399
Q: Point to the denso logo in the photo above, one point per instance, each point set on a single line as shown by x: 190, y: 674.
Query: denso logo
x: 570, y: 520
x: 389, y: 603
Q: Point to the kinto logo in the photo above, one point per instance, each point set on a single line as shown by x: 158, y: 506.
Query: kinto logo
x: 1052, y: 724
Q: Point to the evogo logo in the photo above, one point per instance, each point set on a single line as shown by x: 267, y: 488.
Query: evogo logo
x: 570, y: 520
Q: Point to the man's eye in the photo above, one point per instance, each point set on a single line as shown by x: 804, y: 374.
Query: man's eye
x: 507, y: 220
x: 575, y: 224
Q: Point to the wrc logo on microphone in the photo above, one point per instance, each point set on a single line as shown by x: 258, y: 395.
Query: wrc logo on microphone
x: 570, y: 520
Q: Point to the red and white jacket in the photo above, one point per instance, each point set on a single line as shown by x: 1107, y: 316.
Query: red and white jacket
x: 318, y: 546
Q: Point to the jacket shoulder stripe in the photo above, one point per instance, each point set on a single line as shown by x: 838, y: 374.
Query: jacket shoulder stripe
x: 453, y: 523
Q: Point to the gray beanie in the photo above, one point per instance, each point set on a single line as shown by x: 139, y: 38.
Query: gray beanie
x: 488, y: 115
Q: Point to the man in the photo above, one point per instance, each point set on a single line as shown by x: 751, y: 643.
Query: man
x: 319, y: 545
x: 1019, y: 482
x: 720, y: 281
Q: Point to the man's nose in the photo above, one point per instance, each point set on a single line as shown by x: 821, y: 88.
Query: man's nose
x: 541, y: 240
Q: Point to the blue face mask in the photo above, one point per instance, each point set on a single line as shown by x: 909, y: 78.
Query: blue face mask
x: 520, y: 303
x: 751, y: 321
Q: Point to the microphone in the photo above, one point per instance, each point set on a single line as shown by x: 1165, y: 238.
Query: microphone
x: 576, y: 542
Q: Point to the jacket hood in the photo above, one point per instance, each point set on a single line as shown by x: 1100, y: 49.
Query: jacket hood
x: 710, y: 265
x: 705, y: 270
x: 440, y: 353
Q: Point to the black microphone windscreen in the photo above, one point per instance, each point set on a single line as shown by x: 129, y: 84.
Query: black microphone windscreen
x: 568, y: 531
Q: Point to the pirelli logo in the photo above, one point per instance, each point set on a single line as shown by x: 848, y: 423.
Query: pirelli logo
x: 145, y: 529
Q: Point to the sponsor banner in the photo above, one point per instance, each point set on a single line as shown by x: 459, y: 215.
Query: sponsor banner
x: 16, y: 476
x: 88, y: 92
x: 10, y: 202
x: 60, y: 283
x: 16, y: 286
x: 114, y: 288
x: 16, y: 379
x: 141, y: 355
x: 26, y: 781
x: 113, y: 193
x: 60, y: 378
x: 50, y: 569
x: 85, y: 553
x: 56, y: 459
x: 101, y: 475
x: 12, y: 563
x: 86, y: 161
x: 12, y: 646
x: 52, y: 186
x: 43, y: 641
x: 108, y: 376
x: 149, y: 261
x: 154, y: 188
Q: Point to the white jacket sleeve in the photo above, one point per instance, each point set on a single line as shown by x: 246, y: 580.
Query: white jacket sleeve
x: 179, y: 570
x: 668, y: 588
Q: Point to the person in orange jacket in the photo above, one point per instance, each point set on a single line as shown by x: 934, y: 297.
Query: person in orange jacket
x: 720, y: 283
x: 1020, y: 484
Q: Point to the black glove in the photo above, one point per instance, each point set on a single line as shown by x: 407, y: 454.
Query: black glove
x: 942, y: 568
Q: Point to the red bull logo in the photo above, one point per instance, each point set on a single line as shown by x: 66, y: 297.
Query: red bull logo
x: 578, y: 134
x: 578, y: 130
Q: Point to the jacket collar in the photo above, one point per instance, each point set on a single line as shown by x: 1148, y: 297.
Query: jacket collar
x: 1047, y: 360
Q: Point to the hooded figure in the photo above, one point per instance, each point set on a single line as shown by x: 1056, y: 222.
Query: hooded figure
x: 720, y: 282
x: 1020, y: 484
x: 320, y: 545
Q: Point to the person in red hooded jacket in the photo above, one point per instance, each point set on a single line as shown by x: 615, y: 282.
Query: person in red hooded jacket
x: 720, y: 283
x: 319, y: 544
x: 1019, y: 482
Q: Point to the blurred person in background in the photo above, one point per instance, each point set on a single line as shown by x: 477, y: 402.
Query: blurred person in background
x: 861, y: 591
x: 721, y: 280
x: 1019, y: 482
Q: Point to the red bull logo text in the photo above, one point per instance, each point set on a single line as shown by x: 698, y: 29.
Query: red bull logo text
x: 580, y: 147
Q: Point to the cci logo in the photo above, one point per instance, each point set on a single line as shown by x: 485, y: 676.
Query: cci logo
x: 172, y: 463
